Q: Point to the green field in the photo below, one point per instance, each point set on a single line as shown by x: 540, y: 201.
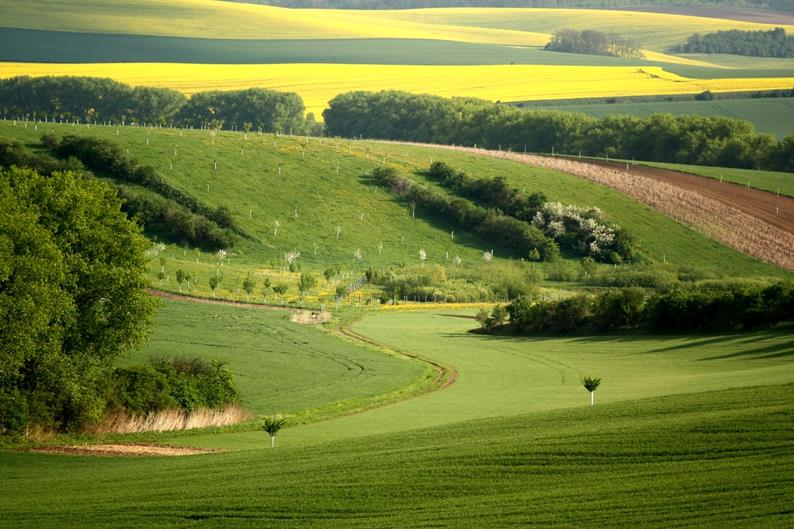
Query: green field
x: 250, y: 183
x: 772, y: 115
x: 772, y: 181
x: 283, y: 367
x: 687, y: 431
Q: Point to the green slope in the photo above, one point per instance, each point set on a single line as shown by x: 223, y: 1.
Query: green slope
x: 512, y: 443
x: 282, y: 367
x: 247, y: 180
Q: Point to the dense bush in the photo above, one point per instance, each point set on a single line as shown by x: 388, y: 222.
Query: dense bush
x: 520, y: 237
x: 706, y: 306
x: 592, y: 42
x: 581, y: 230
x: 659, y: 137
x: 183, y: 383
x: 72, y: 296
x: 772, y: 43
x: 165, y: 219
x: 106, y: 157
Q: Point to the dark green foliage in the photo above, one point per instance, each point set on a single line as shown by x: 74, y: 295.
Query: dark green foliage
x: 592, y: 42
x: 202, y: 226
x: 591, y: 383
x: 166, y: 219
x: 184, y: 383
x: 491, y: 225
x: 264, y: 110
x: 719, y: 141
x: 87, y: 99
x: 306, y: 283
x: 706, y: 306
x: 13, y: 153
x: 72, y: 296
x: 496, y: 194
x: 494, y: 321
x: 772, y: 43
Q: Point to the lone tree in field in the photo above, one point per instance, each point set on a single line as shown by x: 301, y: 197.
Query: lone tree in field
x: 272, y: 425
x: 591, y: 384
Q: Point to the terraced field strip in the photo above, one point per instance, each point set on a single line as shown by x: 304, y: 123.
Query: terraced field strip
x: 715, y: 217
x: 319, y: 83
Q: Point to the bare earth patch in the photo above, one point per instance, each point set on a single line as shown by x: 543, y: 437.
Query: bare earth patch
x: 309, y: 317
x: 111, y: 450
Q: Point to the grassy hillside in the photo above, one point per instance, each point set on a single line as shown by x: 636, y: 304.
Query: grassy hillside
x: 770, y: 115
x: 282, y: 367
x: 512, y: 442
x: 264, y: 179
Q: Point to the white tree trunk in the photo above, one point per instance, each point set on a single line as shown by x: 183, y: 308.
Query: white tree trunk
x: 592, y: 398
x: 272, y: 441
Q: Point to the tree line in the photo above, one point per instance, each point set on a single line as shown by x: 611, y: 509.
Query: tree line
x: 593, y: 42
x: 688, y: 139
x: 168, y: 211
x: 772, y: 43
x: 582, y: 231
x: 89, y: 99
x: 521, y: 238
x: 700, y: 307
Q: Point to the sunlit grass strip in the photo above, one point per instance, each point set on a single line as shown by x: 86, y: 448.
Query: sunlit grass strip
x: 319, y: 83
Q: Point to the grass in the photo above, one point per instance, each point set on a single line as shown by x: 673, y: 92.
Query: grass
x: 656, y: 31
x: 771, y: 115
x: 326, y: 199
x: 282, y: 367
x: 687, y: 431
x: 772, y: 181
x: 319, y: 83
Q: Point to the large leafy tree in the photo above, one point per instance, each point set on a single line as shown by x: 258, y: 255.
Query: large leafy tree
x: 72, y: 296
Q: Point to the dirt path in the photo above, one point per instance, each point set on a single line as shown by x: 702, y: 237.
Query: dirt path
x: 112, y: 450
x: 708, y: 207
x: 773, y: 209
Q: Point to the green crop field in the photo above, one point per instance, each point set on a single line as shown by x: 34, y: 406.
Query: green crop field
x: 282, y: 367
x: 772, y: 115
x: 269, y: 178
x: 701, y: 421
x: 772, y: 181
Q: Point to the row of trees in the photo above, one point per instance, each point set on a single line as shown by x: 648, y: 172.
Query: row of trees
x: 712, y: 306
x: 688, y: 139
x: 772, y: 43
x: 521, y: 238
x: 580, y: 230
x: 93, y: 99
x: 593, y: 42
x: 194, y: 222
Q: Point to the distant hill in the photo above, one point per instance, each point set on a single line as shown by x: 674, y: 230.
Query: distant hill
x: 780, y: 5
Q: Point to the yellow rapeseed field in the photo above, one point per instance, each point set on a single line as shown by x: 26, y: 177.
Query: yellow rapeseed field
x: 318, y: 83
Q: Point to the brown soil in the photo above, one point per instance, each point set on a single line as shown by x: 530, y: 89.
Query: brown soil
x: 181, y: 297
x: 769, y: 207
x: 725, y: 13
x: 110, y: 450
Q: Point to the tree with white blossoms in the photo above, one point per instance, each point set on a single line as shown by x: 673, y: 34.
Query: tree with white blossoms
x: 457, y: 260
x: 222, y: 254
x: 357, y: 255
x: 422, y: 256
x: 487, y: 256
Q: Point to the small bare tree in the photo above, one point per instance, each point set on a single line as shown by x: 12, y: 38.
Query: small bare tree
x: 422, y: 256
